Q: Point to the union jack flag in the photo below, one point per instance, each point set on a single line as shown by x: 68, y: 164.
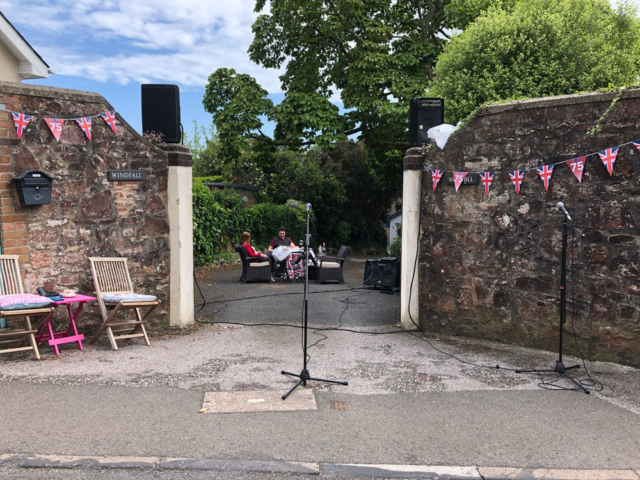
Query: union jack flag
x: 516, y: 177
x: 20, y: 120
x: 458, y: 178
x: 545, y: 175
x: 85, y: 125
x: 436, y: 175
x: 608, y: 157
x: 487, y: 178
x: 110, y: 118
x: 636, y: 143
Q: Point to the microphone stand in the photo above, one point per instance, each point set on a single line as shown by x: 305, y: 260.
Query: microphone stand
x: 305, y: 375
x: 560, y: 368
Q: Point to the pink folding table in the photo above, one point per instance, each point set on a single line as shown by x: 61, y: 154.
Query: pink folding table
x: 71, y: 334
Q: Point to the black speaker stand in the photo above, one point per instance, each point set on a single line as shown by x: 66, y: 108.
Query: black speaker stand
x: 560, y: 368
x: 305, y: 375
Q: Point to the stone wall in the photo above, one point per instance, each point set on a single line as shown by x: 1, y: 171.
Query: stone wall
x: 88, y: 215
x: 489, y: 265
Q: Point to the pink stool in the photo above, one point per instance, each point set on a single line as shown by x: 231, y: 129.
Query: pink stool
x: 57, y: 338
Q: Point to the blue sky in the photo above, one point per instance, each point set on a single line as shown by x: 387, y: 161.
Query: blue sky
x: 113, y: 46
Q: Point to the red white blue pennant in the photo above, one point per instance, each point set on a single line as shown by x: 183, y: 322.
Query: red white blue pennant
x: 110, y: 118
x: 545, y: 175
x: 20, y: 120
x: 577, y: 166
x: 436, y: 175
x: 458, y: 178
x: 55, y: 125
x: 516, y: 177
x: 487, y: 179
x: 85, y: 124
x: 608, y: 157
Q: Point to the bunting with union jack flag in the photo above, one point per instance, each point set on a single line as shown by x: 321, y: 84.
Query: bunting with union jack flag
x: 85, y: 124
x: 516, y: 177
x: 436, y: 175
x: 20, y: 120
x: 110, y: 118
x: 608, y: 157
x: 487, y: 178
x: 545, y: 175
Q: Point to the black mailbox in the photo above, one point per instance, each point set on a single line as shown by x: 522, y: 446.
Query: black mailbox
x: 34, y: 187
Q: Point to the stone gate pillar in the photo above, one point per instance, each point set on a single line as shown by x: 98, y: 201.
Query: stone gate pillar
x: 412, y: 166
x: 180, y: 208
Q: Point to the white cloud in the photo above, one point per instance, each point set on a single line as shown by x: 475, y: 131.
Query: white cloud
x: 180, y: 41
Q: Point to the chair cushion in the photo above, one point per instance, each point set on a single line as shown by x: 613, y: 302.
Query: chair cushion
x: 258, y: 264
x: 23, y: 301
x: 330, y: 265
x: 128, y: 297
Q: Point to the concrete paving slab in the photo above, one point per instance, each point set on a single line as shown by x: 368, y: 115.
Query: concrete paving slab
x: 258, y: 401
x: 402, y: 471
x: 492, y: 473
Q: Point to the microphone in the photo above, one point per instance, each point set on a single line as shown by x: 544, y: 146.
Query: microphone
x: 308, y: 206
x: 564, y: 210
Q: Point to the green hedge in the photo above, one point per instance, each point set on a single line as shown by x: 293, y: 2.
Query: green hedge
x: 219, y: 219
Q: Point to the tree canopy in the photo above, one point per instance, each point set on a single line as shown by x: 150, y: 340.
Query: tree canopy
x: 376, y: 54
x: 539, y: 48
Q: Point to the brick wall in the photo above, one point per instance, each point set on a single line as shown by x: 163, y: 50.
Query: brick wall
x: 88, y: 215
x: 489, y: 266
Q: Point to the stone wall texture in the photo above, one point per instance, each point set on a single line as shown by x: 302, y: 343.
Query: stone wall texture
x: 490, y: 265
x: 88, y: 215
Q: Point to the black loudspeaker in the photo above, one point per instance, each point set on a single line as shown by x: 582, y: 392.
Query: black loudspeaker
x: 161, y: 111
x: 424, y: 113
x: 382, y: 273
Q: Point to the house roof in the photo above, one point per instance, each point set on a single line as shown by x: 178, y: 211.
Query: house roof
x: 30, y: 63
x: 391, y: 217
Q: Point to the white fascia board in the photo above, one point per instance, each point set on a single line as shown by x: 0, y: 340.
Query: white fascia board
x: 30, y: 65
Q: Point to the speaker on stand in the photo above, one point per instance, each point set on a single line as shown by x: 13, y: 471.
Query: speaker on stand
x: 161, y: 111
x: 384, y: 272
x: 424, y: 113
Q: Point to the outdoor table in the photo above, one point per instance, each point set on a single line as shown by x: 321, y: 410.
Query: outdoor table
x: 296, y: 265
x: 71, y: 334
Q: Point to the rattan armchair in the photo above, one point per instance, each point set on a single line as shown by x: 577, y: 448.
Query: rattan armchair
x: 253, y: 268
x: 330, y: 268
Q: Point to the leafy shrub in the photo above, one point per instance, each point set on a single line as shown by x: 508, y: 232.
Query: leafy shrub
x: 395, y: 249
x: 541, y: 48
x: 219, y: 220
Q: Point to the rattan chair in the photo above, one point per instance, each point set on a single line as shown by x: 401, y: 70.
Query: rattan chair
x: 111, y: 277
x: 253, y: 268
x: 329, y: 268
x: 11, y: 284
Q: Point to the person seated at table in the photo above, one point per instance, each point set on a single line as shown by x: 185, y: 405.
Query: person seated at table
x: 281, y: 241
x: 251, y: 252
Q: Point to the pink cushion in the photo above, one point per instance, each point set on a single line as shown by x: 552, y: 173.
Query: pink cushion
x: 23, y: 301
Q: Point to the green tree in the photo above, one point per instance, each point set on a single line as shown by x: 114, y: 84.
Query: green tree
x: 540, y: 48
x: 376, y: 54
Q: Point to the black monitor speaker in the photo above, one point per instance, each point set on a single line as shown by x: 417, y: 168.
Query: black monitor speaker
x: 161, y: 111
x: 424, y: 113
x: 382, y: 273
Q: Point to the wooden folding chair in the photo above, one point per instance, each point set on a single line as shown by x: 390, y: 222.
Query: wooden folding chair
x: 11, y: 284
x: 111, y: 277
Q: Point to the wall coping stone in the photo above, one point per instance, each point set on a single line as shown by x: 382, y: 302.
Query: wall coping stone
x: 10, y: 88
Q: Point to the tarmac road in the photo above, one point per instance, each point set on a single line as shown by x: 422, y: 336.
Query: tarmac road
x: 407, y: 405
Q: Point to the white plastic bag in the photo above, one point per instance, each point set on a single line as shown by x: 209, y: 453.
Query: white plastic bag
x: 441, y: 134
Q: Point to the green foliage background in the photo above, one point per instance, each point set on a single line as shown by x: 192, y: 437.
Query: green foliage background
x: 219, y: 220
x: 537, y: 49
